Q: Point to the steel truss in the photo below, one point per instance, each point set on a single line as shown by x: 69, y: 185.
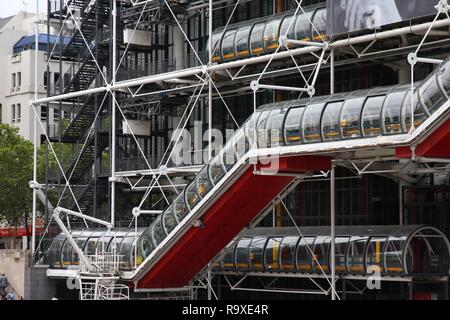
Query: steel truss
x: 194, y: 81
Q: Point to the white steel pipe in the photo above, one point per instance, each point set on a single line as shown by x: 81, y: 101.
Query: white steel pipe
x: 35, y: 134
x: 428, y: 60
x: 274, y: 87
x: 333, y: 230
x: 113, y: 115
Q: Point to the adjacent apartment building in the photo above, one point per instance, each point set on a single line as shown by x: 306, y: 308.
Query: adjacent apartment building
x: 17, y: 70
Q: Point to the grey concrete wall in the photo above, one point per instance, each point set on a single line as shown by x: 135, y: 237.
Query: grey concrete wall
x: 37, y: 286
x: 13, y: 264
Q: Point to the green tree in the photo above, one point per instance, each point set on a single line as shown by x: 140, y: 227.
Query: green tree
x: 16, y: 170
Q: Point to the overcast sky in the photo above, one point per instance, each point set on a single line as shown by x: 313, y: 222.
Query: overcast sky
x: 11, y: 7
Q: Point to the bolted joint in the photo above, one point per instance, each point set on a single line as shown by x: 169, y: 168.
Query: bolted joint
x: 283, y: 41
x: 412, y: 59
x: 311, y: 91
x: 326, y: 45
x: 56, y: 212
x: 34, y: 185
x: 136, y: 212
x: 254, y: 85
x: 204, y: 70
x: 163, y: 169
x: 108, y: 87
x: 442, y: 6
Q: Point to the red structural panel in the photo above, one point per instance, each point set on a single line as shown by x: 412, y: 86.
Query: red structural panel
x: 235, y: 209
x: 436, y: 145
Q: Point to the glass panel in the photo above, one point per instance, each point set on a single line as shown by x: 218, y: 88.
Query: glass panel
x: 115, y: 243
x: 203, y: 183
x: 285, y: 25
x: 180, y: 208
x: 228, y: 155
x: 192, y: 197
x: 371, y: 116
x: 67, y: 254
x: 256, y: 38
x: 330, y: 121
x: 55, y: 251
x: 320, y: 24
x: 158, y: 233
x: 431, y: 94
x: 228, y: 257
x: 103, y: 243
x: 355, y: 257
x: 228, y: 52
x: 341, y: 244
x: 249, y: 128
x: 90, y: 246
x: 271, y: 33
x: 242, y: 254
x: 311, y: 122
x: 303, y: 26
x: 256, y: 253
x: 240, y: 142
x: 216, y: 45
x: 271, y: 256
x: 75, y: 258
x: 288, y: 248
x: 146, y: 245
x: 393, y: 262
x: 444, y: 74
x: 349, y: 121
x: 274, y: 127
x: 169, y: 219
x: 216, y: 169
x: 374, y: 253
x: 419, y: 115
x: 261, y: 125
x: 292, y: 133
x: 431, y: 255
x: 320, y: 261
x: 242, y: 39
x: 392, y: 110
x: 304, y: 259
x: 127, y: 246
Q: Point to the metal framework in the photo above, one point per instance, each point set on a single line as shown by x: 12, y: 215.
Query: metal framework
x: 99, y: 95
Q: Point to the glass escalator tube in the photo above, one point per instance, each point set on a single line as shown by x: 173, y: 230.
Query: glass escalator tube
x: 371, y: 113
x: 271, y: 34
x: 272, y: 254
x: 242, y: 41
x: 431, y: 92
x: 274, y: 125
x: 256, y: 39
x: 288, y: 254
x: 319, y: 24
x: 311, y: 128
x: 256, y: 253
x: 350, y: 117
x: 292, y: 123
x: 228, y: 45
x: 392, y: 107
x: 419, y: 114
x: 303, y: 26
x: 330, y: 121
x: 288, y: 24
x: 217, y: 45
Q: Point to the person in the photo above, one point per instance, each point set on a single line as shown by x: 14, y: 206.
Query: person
x: 11, y: 295
x: 3, y: 283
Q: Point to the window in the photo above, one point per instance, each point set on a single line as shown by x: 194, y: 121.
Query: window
x: 13, y: 113
x: 19, y: 79
x: 44, y: 113
x: 46, y: 78
x: 13, y: 82
x: 19, y: 112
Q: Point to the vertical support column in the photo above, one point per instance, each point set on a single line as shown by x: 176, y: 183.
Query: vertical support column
x: 332, y: 75
x: 400, y: 203
x: 333, y: 231
x: 210, y: 102
x: 178, y: 47
x: 113, y: 112
x: 35, y: 139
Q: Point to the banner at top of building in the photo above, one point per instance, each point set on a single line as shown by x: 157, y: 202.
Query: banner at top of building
x: 352, y: 15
